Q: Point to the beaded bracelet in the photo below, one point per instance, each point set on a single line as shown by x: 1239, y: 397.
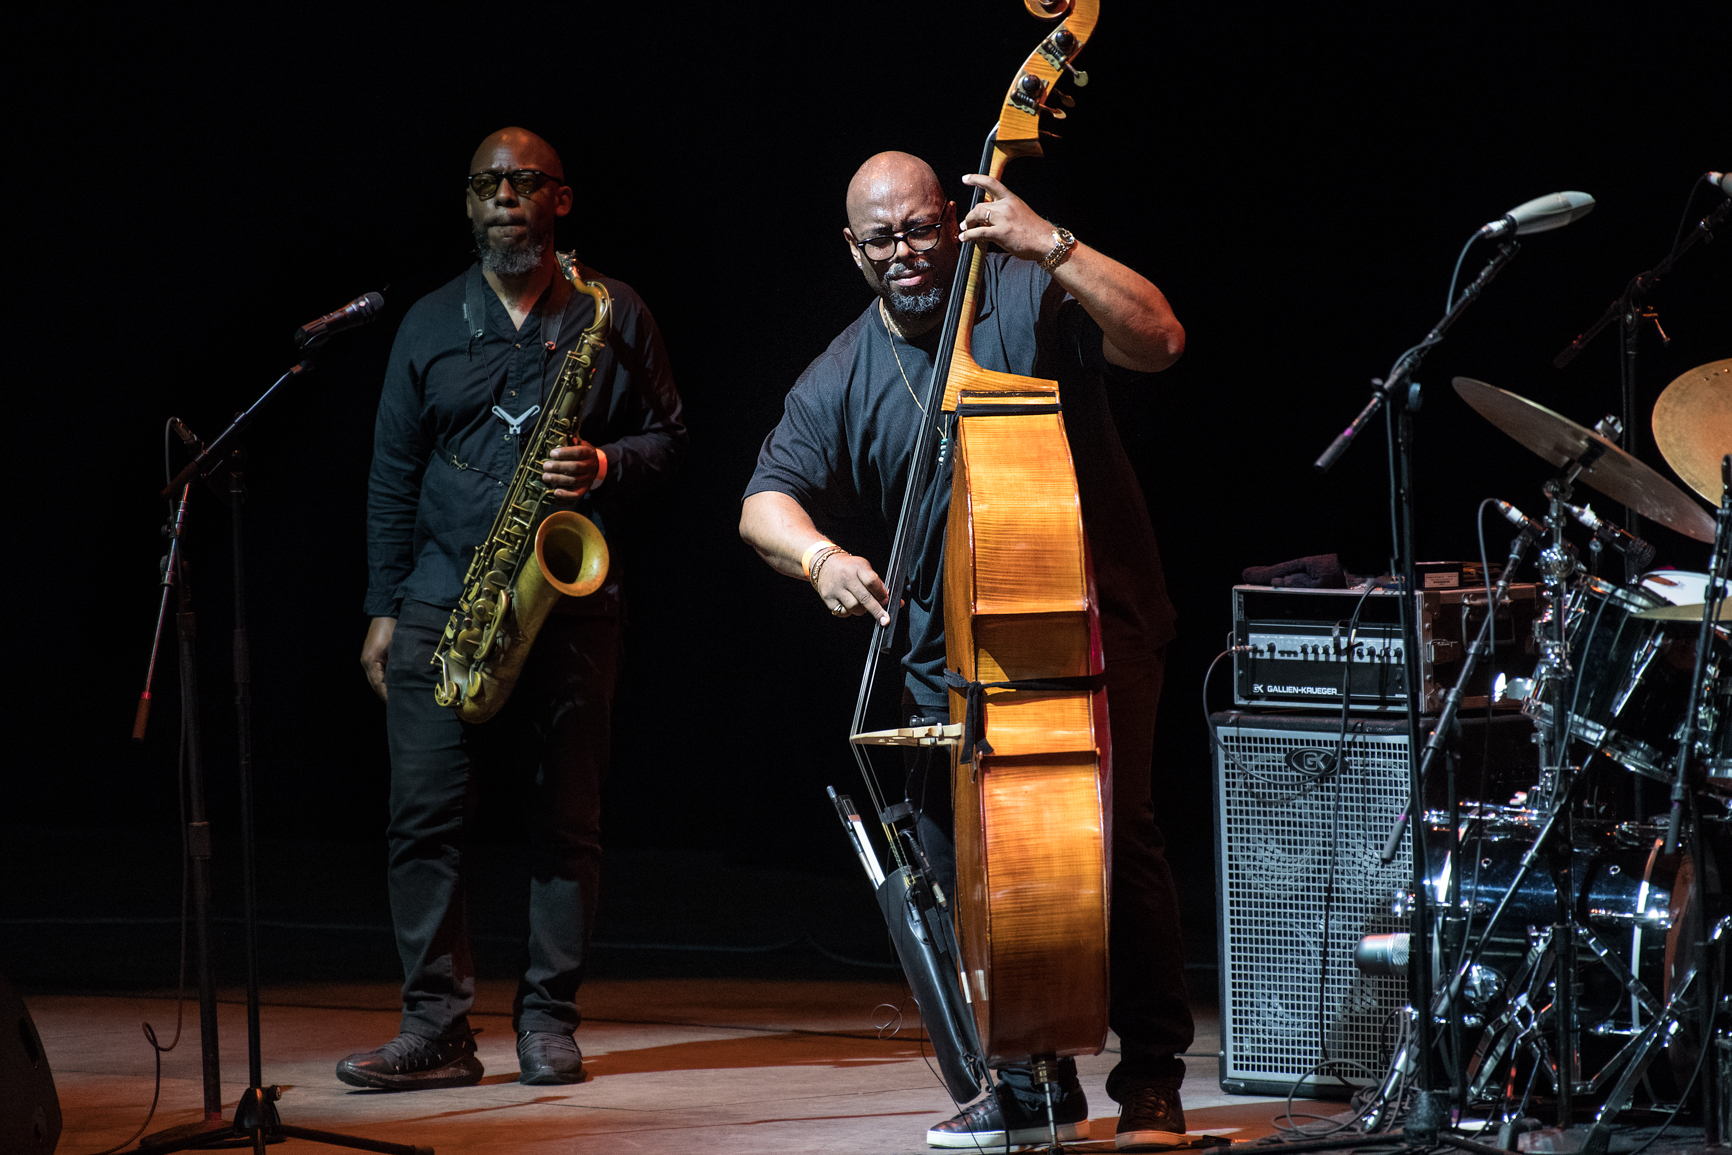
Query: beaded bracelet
x: 818, y: 561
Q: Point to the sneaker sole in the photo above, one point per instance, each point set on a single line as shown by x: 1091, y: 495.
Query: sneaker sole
x: 1022, y: 1139
x: 546, y: 1078
x: 1149, y: 1140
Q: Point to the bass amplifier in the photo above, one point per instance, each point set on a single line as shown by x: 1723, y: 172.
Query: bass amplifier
x: 1299, y: 884
x: 1291, y: 647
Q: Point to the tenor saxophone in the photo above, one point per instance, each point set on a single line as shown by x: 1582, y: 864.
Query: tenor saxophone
x: 528, y: 561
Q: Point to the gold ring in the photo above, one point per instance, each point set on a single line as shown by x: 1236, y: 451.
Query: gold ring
x: 838, y: 611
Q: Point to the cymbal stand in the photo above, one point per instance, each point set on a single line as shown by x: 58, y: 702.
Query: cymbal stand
x: 1629, y: 310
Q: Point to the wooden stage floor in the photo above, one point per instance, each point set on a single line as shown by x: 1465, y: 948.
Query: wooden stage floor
x: 678, y: 1065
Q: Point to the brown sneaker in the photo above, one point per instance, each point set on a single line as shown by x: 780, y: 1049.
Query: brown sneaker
x: 414, y: 1063
x: 1150, y: 1118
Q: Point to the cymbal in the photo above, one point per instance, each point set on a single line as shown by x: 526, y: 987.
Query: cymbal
x: 1604, y: 466
x: 1693, y: 425
x: 1686, y: 613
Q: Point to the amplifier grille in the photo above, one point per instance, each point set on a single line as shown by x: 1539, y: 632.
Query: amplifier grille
x: 1277, y: 831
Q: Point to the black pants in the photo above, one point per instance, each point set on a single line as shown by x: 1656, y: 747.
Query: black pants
x: 553, y: 733
x: 1148, y: 1005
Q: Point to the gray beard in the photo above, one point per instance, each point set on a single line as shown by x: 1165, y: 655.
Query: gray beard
x: 522, y: 257
x: 910, y: 307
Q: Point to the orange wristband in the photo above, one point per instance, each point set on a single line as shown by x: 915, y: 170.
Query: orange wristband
x: 806, y: 558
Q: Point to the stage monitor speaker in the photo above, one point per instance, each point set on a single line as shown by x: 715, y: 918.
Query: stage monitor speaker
x: 1283, y: 815
x: 29, y: 1108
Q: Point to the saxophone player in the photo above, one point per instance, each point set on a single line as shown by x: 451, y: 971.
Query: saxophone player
x: 471, y: 364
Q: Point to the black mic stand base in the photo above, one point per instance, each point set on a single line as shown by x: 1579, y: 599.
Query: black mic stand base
x: 256, y: 1125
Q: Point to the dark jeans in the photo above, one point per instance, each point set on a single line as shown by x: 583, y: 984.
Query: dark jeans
x: 1149, y: 1009
x: 553, y: 733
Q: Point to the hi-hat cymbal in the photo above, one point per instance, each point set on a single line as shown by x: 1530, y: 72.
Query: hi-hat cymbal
x: 1693, y: 425
x: 1603, y: 465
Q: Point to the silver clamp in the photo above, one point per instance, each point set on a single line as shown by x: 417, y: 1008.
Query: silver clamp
x: 515, y: 424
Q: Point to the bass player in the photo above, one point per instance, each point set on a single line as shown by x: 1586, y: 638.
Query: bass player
x: 1052, y: 308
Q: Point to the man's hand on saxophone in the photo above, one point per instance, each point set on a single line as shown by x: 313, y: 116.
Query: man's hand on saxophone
x: 574, y: 469
x: 375, y: 650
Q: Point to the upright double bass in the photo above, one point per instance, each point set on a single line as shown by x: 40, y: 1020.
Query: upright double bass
x: 1031, y: 760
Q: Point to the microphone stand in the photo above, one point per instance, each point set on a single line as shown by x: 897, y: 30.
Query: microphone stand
x: 1398, y: 392
x: 197, y: 835
x: 256, y: 1121
x: 1628, y: 310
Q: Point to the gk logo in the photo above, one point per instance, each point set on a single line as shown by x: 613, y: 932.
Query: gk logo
x: 1311, y: 762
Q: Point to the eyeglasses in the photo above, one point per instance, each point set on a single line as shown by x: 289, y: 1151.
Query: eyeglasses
x: 918, y: 239
x: 524, y: 180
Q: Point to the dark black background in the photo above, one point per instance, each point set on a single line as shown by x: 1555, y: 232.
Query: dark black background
x: 190, y: 186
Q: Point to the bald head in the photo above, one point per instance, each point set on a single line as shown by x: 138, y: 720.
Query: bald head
x: 890, y: 195
x: 515, y: 148
x: 890, y: 178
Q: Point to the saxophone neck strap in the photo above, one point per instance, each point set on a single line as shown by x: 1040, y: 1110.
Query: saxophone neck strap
x: 974, y: 695
x: 475, y: 290
x: 474, y: 308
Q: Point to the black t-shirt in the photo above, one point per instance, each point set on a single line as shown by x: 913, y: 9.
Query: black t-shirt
x: 847, y: 432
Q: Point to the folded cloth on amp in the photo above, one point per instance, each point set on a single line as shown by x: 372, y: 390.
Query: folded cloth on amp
x: 1318, y: 572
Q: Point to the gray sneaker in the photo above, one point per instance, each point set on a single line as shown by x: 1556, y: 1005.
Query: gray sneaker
x: 414, y: 1063
x: 1001, y: 1122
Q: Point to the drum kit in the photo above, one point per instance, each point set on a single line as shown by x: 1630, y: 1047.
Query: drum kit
x: 1605, y: 874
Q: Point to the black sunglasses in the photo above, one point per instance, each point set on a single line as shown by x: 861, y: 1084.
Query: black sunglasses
x: 524, y: 180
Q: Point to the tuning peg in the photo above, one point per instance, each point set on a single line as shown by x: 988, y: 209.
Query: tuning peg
x: 1055, y: 113
x: 1065, y: 98
x: 1058, y: 49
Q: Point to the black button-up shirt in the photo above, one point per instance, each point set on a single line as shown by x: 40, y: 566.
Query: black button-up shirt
x: 442, y: 458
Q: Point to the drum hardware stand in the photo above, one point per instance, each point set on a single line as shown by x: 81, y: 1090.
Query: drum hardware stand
x: 1632, y: 1060
x: 1629, y: 310
x: 1443, y: 737
x: 255, y: 1119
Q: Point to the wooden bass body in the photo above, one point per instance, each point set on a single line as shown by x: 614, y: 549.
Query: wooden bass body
x: 1033, y: 868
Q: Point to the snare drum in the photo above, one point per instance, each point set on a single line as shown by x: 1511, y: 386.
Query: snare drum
x: 1713, y: 733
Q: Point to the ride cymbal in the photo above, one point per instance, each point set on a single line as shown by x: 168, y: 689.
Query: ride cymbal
x: 1691, y: 613
x: 1604, y: 466
x: 1693, y: 425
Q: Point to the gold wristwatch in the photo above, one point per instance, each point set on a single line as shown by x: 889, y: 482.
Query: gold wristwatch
x: 1062, y: 243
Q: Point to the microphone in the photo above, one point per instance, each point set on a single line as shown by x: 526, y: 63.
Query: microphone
x: 357, y: 312
x: 1521, y: 520
x: 1720, y: 180
x: 1638, y: 551
x: 1552, y: 211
